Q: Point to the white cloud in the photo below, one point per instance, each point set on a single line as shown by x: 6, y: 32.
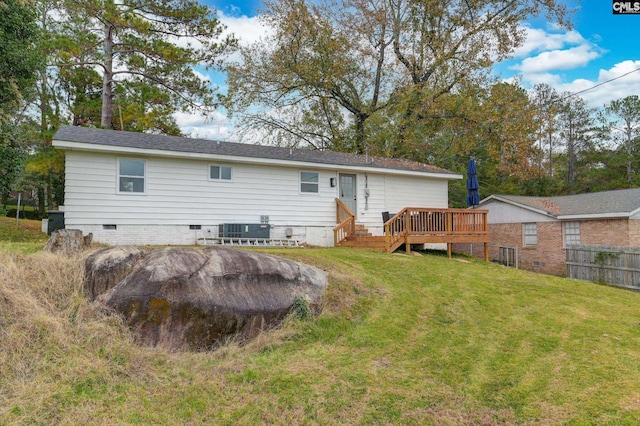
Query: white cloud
x: 215, y: 126
x: 552, y: 80
x: 538, y: 40
x: 619, y: 81
x: 246, y: 29
x: 558, y: 60
x: 202, y: 76
x: 547, y: 54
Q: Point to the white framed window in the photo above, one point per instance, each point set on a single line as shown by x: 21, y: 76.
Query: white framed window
x: 309, y: 182
x: 530, y: 233
x: 571, y: 233
x: 217, y: 172
x: 131, y: 176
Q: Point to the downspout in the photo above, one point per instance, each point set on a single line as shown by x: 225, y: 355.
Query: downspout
x: 366, y: 192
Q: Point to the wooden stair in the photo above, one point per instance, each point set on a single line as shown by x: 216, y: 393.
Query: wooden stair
x: 362, y: 239
x: 362, y: 231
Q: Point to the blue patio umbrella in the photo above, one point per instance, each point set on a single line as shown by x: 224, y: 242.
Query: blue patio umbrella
x: 473, y: 196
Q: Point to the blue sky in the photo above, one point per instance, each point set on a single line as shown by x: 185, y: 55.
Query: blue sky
x: 601, y: 46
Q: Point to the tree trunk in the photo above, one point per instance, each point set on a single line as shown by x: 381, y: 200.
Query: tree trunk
x: 360, y: 142
x: 550, y: 155
x: 41, y: 198
x: 107, y: 79
x: 50, y: 204
x: 571, y: 158
x: 629, y: 154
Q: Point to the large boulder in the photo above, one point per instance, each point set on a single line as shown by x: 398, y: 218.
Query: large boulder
x: 182, y: 298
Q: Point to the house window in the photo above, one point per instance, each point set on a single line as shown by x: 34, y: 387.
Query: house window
x: 309, y: 182
x: 530, y: 234
x: 219, y: 172
x: 571, y: 233
x: 131, y: 176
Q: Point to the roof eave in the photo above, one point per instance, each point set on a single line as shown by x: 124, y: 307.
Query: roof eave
x: 615, y: 215
x: 516, y: 204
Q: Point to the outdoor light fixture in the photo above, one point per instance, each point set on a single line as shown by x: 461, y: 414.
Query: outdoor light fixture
x: 332, y: 182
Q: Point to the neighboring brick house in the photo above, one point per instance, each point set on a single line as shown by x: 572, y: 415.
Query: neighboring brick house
x: 541, y: 227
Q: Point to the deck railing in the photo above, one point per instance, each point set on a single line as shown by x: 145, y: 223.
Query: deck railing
x: 346, y: 223
x: 435, y: 225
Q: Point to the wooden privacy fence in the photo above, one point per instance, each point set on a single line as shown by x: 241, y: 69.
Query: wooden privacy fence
x: 618, y: 266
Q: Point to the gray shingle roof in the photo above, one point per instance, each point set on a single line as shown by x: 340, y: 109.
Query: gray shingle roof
x: 122, y: 139
x: 596, y: 203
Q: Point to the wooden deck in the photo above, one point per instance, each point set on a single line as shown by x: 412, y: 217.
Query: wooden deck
x: 416, y: 225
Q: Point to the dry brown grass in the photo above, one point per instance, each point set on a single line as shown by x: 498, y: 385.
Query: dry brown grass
x: 56, y: 348
x: 47, y: 328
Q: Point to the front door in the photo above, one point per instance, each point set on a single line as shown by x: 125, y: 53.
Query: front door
x: 348, y: 191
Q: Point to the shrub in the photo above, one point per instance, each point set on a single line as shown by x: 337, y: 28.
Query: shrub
x: 26, y: 214
x: 300, y: 309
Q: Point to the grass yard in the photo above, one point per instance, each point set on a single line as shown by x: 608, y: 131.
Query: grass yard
x: 417, y: 339
x: 27, y: 237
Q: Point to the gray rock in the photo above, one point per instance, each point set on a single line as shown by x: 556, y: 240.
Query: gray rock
x: 191, y: 299
x: 68, y: 241
x: 107, y: 267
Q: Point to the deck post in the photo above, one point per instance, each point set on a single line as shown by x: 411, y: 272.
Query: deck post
x: 387, y: 238
x: 486, y: 252
x: 449, y: 250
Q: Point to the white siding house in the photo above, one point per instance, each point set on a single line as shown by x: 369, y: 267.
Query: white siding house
x: 133, y: 188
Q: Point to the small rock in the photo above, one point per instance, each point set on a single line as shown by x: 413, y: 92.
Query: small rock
x: 68, y: 241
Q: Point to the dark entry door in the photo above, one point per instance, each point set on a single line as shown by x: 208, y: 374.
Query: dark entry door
x: 348, y: 191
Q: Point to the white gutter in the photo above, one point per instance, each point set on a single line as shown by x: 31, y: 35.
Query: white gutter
x: 594, y: 216
x: 81, y: 146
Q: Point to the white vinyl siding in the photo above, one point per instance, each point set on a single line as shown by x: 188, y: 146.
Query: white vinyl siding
x: 131, y: 175
x: 217, y: 172
x: 500, y: 212
x: 309, y: 182
x: 530, y: 232
x: 178, y: 194
x: 571, y: 233
x: 408, y: 191
x: 175, y: 194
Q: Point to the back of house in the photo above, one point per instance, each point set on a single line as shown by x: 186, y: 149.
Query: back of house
x: 136, y: 188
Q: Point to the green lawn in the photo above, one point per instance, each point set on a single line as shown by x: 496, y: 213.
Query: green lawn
x: 27, y: 236
x: 417, y: 339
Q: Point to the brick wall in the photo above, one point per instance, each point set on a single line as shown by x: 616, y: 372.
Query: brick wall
x: 610, y: 232
x: 181, y: 234
x: 634, y: 233
x: 549, y: 256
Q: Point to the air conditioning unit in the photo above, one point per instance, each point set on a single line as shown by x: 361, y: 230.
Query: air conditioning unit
x: 244, y: 230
